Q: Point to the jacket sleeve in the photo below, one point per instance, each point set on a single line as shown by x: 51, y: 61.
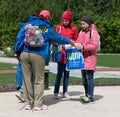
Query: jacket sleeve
x: 57, y: 28
x: 79, y: 38
x: 19, y: 43
x: 92, y: 45
x: 55, y: 36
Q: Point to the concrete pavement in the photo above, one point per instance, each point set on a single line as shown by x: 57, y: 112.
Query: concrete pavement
x: 107, y: 104
x: 107, y: 100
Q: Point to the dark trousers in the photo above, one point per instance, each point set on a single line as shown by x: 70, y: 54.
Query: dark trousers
x: 61, y: 68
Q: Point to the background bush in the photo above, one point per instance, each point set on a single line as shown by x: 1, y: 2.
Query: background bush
x: 106, y: 15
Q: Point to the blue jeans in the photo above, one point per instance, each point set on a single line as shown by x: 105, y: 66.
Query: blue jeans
x: 88, y: 82
x: 60, y: 70
x: 19, y: 76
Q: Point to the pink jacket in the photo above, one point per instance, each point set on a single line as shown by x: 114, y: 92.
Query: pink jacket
x: 90, y: 48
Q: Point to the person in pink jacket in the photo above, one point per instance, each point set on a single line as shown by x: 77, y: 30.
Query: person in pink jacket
x: 88, y: 40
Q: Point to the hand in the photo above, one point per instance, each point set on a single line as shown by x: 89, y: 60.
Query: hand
x: 72, y: 43
x: 78, y: 46
x: 17, y: 56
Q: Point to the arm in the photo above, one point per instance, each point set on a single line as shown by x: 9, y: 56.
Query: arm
x: 92, y: 45
x: 19, y: 43
x: 54, y: 36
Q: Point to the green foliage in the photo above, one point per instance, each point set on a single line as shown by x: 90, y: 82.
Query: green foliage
x: 106, y: 15
x: 8, y: 34
x: 109, y: 30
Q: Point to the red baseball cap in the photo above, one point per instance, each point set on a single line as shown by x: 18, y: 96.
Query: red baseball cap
x: 45, y: 14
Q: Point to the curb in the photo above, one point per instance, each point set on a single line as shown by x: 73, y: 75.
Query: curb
x: 107, y: 69
x: 7, y: 71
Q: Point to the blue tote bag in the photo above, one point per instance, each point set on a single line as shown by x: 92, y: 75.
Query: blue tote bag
x: 57, y: 56
x: 74, y: 59
x: 56, y: 53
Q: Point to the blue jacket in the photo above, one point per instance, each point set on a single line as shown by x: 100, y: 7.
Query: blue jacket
x: 49, y: 36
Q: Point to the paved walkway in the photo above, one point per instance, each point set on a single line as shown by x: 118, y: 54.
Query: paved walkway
x: 107, y: 104
x: 107, y: 100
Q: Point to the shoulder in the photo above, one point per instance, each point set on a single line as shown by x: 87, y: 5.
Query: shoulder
x: 58, y: 26
x: 94, y: 27
x: 73, y: 26
x: 93, y: 31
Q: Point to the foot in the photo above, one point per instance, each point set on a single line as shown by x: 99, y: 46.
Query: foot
x: 66, y: 95
x: 19, y: 95
x: 55, y: 95
x: 43, y: 107
x: 86, y: 99
x: 28, y: 107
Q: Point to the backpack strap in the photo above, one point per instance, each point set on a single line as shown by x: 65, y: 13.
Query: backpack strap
x: 60, y: 28
x: 91, y: 33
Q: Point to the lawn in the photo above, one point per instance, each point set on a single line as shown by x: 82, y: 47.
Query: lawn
x: 109, y: 60
x: 7, y: 66
x: 11, y: 80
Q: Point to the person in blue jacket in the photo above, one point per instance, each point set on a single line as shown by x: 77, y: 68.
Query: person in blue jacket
x: 19, y: 83
x: 33, y: 59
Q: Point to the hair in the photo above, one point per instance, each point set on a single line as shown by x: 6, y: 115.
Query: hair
x: 36, y: 14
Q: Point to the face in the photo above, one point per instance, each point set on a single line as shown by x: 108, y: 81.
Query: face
x: 85, y: 26
x: 65, y: 22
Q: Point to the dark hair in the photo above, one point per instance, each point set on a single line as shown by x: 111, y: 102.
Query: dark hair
x: 36, y: 14
x: 87, y: 19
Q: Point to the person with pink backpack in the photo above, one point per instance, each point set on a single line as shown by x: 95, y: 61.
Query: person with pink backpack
x: 88, y: 40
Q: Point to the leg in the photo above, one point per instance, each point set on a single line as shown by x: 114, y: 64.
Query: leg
x: 38, y: 68
x: 60, y: 69
x: 27, y: 74
x: 90, y: 83
x: 65, y: 80
x: 84, y: 81
x: 19, y: 76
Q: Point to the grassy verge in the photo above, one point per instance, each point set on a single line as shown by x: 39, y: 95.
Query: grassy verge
x: 6, y: 79
x: 11, y: 80
x: 7, y: 66
x: 108, y: 60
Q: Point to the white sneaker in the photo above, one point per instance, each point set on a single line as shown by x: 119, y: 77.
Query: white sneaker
x: 43, y: 107
x: 19, y: 95
x: 55, y: 95
x: 28, y: 107
x: 66, y: 95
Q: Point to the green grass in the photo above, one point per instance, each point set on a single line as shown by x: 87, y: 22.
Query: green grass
x: 7, y: 66
x: 11, y: 80
x: 109, y: 60
x: 6, y: 79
